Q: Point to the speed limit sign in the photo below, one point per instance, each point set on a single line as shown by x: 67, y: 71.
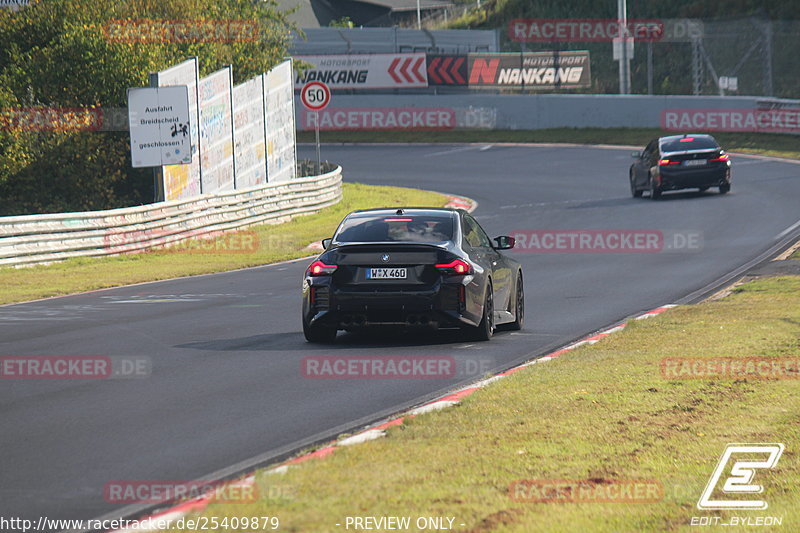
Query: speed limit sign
x: 315, y: 95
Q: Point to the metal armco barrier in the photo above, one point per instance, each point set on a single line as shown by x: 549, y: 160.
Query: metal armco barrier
x: 33, y: 239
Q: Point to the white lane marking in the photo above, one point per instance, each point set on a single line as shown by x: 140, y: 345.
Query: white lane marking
x: 554, y: 204
x: 452, y: 151
x: 156, y: 301
x: 787, y: 230
x: 487, y: 147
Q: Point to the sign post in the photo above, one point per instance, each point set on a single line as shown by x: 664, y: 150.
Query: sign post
x: 316, y: 96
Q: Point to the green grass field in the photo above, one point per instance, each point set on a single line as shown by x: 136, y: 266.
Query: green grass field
x: 604, y: 413
x: 272, y: 243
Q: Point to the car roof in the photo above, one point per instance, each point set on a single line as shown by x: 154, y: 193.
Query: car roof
x: 418, y: 211
x: 682, y: 135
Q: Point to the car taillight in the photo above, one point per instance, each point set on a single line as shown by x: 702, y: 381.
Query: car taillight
x: 722, y: 157
x: 663, y: 162
x: 318, y: 268
x: 455, y: 267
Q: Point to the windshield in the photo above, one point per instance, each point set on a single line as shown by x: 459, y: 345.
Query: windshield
x: 685, y: 144
x: 400, y: 228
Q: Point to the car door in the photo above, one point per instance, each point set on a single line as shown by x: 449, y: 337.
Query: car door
x: 642, y: 166
x: 501, y: 273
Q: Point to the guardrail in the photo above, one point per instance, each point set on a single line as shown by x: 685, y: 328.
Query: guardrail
x: 34, y: 239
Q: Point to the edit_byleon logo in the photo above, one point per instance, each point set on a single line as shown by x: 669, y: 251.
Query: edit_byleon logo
x: 746, y: 461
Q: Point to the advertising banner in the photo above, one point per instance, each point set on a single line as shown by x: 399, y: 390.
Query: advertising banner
x: 447, y: 70
x: 365, y: 71
x: 279, y: 123
x: 530, y: 70
x: 216, y: 128
x: 249, y: 142
x: 183, y: 181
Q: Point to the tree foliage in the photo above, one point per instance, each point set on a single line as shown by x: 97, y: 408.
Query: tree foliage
x: 63, y: 54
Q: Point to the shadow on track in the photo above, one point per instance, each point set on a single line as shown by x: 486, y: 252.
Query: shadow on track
x: 294, y: 341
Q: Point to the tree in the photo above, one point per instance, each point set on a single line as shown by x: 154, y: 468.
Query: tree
x: 66, y: 54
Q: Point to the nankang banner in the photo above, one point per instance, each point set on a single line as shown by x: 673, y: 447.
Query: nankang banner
x: 365, y: 71
x: 531, y: 70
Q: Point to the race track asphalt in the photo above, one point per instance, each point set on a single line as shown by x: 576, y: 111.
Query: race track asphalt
x: 226, y: 389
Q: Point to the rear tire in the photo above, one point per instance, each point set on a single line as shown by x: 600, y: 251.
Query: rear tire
x: 485, y: 329
x: 655, y: 192
x: 319, y: 334
x: 724, y: 189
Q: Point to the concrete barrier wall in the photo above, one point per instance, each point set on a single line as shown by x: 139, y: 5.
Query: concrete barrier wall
x: 33, y: 239
x: 540, y: 111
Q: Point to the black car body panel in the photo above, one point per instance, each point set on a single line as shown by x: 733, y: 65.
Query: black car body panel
x: 681, y: 162
x: 430, y: 294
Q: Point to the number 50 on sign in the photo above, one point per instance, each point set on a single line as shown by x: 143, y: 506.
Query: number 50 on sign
x: 315, y: 95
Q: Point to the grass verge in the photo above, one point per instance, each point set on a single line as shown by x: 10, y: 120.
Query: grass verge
x: 778, y: 145
x: 601, y: 413
x: 272, y: 243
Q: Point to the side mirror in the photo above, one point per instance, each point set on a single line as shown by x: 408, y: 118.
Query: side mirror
x: 636, y: 155
x: 326, y: 243
x: 504, y: 242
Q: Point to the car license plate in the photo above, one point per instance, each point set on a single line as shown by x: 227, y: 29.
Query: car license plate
x: 694, y: 162
x: 386, y: 273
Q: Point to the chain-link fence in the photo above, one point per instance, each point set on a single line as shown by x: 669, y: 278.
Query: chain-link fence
x: 744, y: 56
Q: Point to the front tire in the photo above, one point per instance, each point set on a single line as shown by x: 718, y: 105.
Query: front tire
x: 724, y: 188
x: 636, y: 193
x: 318, y: 334
x: 485, y: 329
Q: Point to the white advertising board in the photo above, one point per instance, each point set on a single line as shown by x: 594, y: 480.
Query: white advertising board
x: 248, y: 134
x: 183, y: 181
x: 216, y: 131
x: 279, y: 123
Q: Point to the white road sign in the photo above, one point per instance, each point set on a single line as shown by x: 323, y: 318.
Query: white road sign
x: 159, y: 119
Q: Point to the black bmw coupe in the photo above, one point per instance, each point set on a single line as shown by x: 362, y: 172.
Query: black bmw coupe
x: 412, y: 268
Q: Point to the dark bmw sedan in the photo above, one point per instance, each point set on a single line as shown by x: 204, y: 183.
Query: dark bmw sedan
x: 412, y: 268
x: 689, y: 161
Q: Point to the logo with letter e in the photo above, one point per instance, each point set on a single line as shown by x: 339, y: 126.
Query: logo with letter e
x: 746, y: 459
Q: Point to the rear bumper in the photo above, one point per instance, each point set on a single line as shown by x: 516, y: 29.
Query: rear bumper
x: 690, y: 179
x: 354, y: 308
